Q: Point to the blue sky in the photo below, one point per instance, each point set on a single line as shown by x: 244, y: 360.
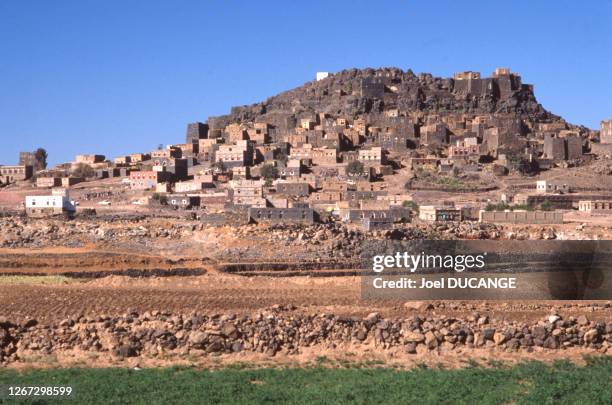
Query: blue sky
x: 114, y: 77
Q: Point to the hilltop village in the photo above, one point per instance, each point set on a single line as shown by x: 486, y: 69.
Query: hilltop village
x: 374, y: 149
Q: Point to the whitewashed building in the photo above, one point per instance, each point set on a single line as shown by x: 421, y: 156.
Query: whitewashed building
x: 57, y: 203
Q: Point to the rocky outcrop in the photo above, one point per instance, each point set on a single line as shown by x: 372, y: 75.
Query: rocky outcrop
x: 341, y: 94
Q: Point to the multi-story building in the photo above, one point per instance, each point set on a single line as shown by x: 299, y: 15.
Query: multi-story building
x: 11, y: 174
x: 240, y: 154
x: 605, y: 132
x: 148, y: 179
x: 248, y: 192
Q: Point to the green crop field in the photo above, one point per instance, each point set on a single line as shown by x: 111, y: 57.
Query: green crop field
x: 533, y: 383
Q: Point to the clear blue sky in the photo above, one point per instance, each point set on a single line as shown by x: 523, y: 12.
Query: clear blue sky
x: 114, y: 77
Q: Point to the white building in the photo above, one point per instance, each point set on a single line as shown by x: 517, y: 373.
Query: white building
x: 55, y: 204
x: 545, y: 186
x: 322, y: 75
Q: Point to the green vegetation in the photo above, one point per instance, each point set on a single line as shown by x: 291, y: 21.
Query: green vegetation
x: 502, y: 206
x: 219, y: 166
x: 41, y: 158
x: 269, y: 172
x: 450, y: 182
x: 411, y: 205
x: 546, y: 205
x: 529, y: 383
x: 160, y: 198
x: 354, y: 167
x: 83, y: 170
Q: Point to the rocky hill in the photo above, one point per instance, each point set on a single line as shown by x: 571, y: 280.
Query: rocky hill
x: 371, y: 92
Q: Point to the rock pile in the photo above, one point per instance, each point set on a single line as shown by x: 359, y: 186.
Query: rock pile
x: 283, y: 330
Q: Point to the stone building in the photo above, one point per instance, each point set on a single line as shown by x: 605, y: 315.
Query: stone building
x: 376, y: 224
x: 28, y: 159
x: 148, y: 179
x: 89, y: 159
x: 48, y: 182
x: 248, y: 192
x: 139, y: 157
x: 196, y: 131
x: 521, y: 217
x: 184, y: 201
x: 562, y: 148
x: 372, y: 87
x: 168, y: 153
x: 426, y: 163
x: 596, y: 207
x: 371, y: 156
x: 281, y: 215
x: 11, y: 174
x: 434, y: 134
x: 324, y: 156
x: 240, y: 154
x: 547, y: 186
x: 295, y: 189
x: 439, y: 213
x: 605, y: 132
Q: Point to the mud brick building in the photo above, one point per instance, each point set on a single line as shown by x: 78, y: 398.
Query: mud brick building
x: 595, y: 207
x: 11, y: 174
x: 195, y: 132
x: 281, y: 215
x: 521, y: 217
x: 605, y: 132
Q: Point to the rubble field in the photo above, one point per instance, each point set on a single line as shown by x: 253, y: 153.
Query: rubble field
x: 158, y: 291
